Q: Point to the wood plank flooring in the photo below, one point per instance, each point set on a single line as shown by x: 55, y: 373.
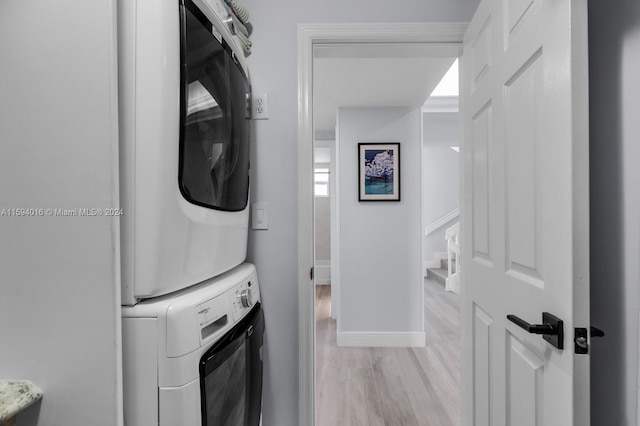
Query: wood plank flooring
x: 391, y: 386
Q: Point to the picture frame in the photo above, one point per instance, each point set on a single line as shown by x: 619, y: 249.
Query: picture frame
x: 379, y: 171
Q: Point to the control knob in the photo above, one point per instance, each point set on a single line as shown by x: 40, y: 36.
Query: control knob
x: 246, y: 298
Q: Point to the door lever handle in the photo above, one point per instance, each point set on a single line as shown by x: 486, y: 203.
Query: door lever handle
x: 532, y: 328
x: 551, y: 328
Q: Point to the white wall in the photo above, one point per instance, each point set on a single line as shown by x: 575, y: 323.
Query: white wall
x: 440, y: 192
x: 322, y: 153
x: 441, y: 127
x: 322, y: 228
x: 380, y: 243
x: 440, y: 175
x: 322, y: 234
x: 614, y: 67
x: 59, y: 276
x: 274, y: 71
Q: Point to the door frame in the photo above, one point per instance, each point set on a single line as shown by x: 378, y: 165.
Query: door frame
x: 308, y: 36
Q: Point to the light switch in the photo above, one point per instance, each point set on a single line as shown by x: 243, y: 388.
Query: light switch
x: 260, y: 216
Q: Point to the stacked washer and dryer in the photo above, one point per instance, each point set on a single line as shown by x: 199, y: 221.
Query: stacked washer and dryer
x: 192, y: 319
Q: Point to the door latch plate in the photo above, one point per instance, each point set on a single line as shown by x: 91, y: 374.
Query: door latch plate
x: 581, y: 338
x: 581, y: 341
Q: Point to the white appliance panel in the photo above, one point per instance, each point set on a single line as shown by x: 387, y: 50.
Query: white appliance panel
x: 163, y: 345
x: 167, y: 242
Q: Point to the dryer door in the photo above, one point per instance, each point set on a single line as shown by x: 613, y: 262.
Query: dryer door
x: 214, y: 135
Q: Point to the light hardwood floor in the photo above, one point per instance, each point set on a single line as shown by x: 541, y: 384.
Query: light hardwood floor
x: 391, y: 386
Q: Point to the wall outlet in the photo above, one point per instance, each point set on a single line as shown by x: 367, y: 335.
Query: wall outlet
x: 260, y: 107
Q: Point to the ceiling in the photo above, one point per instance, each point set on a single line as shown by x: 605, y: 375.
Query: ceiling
x: 375, y: 75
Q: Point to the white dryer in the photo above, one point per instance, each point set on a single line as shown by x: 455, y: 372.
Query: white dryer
x: 194, y: 358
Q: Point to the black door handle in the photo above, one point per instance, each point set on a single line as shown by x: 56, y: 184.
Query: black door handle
x: 596, y: 332
x: 532, y: 328
x: 551, y: 328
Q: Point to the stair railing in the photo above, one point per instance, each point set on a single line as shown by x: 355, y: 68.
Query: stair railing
x: 452, y: 283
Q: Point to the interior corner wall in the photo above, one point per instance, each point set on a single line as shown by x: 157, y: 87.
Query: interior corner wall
x: 273, y: 67
x: 440, y: 192
x: 614, y: 66
x: 440, y: 176
x: 380, y: 244
x: 59, y: 275
x: 323, y: 158
x: 322, y: 233
x: 322, y: 228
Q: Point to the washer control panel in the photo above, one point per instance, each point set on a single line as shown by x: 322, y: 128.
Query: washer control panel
x: 243, y: 297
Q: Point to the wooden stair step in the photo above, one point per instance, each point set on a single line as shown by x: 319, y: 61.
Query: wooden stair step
x: 438, y: 274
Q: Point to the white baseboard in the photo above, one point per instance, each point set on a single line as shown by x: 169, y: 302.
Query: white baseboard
x: 392, y: 339
x: 322, y: 272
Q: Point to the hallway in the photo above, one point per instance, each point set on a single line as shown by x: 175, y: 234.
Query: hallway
x: 391, y: 386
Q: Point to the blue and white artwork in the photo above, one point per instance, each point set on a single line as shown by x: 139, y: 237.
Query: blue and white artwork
x: 379, y: 172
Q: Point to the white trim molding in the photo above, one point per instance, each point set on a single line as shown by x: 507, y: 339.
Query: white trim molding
x: 386, y: 339
x: 439, y: 223
x: 449, y: 36
x: 322, y: 272
x: 436, y: 104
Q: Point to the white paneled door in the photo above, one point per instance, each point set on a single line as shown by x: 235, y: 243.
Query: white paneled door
x: 525, y: 223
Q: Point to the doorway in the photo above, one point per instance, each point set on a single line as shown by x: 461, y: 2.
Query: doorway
x: 371, y: 376
x: 438, y: 37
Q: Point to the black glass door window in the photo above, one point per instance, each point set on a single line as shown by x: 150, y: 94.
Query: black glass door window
x: 225, y: 387
x: 214, y: 139
x: 231, y: 375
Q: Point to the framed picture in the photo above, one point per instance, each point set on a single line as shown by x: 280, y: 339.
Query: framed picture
x: 379, y: 171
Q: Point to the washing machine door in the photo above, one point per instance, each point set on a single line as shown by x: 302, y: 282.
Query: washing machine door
x: 231, y: 375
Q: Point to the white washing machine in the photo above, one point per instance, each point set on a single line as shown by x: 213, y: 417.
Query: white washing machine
x: 194, y: 357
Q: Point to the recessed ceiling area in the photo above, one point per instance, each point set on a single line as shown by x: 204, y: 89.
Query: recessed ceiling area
x: 375, y: 75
